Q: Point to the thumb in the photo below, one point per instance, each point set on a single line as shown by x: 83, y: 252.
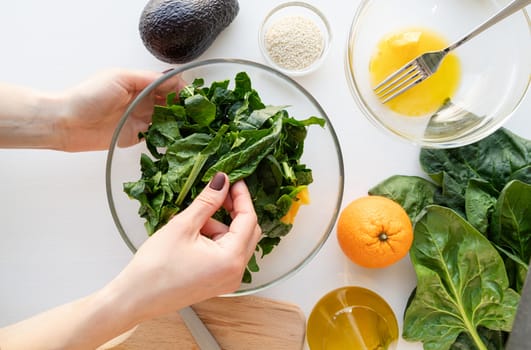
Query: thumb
x: 209, y: 200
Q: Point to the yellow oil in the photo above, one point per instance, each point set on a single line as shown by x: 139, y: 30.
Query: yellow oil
x: 398, y: 48
x: 352, y: 318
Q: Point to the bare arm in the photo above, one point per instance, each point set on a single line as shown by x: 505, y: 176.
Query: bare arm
x: 28, y: 118
x: 81, y: 324
x: 192, y: 258
x: 82, y: 118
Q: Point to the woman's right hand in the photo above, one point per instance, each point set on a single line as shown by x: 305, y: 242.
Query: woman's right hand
x: 194, y: 257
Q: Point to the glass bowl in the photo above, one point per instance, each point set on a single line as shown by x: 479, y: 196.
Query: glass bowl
x: 495, y: 69
x: 291, y: 50
x: 352, y: 317
x: 322, y: 154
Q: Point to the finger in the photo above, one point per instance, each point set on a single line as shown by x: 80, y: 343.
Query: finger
x: 253, y: 241
x: 244, y: 229
x: 208, y: 201
x: 241, y: 201
x: 243, y: 205
x: 255, y: 238
x: 136, y: 80
x: 173, y: 83
x: 213, y: 228
x: 227, y: 204
x: 242, y: 237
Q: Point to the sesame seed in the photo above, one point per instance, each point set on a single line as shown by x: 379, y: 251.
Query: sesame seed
x: 294, y: 42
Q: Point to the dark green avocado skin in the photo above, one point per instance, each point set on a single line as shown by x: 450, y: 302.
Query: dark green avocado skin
x: 178, y: 31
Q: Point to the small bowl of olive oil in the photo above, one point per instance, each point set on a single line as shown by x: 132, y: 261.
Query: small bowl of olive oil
x: 352, y: 318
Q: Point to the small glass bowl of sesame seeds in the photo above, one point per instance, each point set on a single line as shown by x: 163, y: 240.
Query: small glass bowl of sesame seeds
x: 294, y: 38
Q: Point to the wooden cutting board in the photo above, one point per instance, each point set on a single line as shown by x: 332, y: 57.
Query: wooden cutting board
x: 246, y: 322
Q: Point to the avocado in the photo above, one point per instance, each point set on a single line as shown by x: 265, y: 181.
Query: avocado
x: 178, y: 31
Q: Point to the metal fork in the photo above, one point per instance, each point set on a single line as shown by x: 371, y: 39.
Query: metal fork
x: 422, y: 67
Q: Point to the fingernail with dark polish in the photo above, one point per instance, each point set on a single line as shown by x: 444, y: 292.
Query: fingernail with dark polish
x: 217, y: 182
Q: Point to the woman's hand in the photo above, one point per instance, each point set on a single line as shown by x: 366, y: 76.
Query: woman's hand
x: 82, y: 118
x: 194, y: 257
x: 95, y: 107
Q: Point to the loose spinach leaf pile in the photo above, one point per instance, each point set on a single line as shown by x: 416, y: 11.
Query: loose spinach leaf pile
x: 462, y: 283
x: 204, y: 130
x: 472, y: 240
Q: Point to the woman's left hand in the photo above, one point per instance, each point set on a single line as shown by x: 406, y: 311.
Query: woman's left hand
x: 94, y: 108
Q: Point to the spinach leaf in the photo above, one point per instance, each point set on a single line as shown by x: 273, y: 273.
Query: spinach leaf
x: 511, y: 227
x: 200, y: 109
x: 523, y: 175
x: 480, y: 198
x: 495, y: 159
x: 462, y: 283
x: 267, y: 244
x: 191, y: 89
x: 413, y: 193
x: 242, y: 84
x: 494, y: 340
x: 181, y: 158
x: 199, y: 161
x: 165, y: 132
x: 241, y: 163
x: 256, y: 118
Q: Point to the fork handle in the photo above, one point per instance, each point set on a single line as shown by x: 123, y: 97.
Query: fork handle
x: 508, y: 10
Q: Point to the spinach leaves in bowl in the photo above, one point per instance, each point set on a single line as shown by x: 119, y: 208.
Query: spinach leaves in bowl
x: 204, y: 130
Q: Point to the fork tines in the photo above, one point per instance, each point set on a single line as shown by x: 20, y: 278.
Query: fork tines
x: 400, y: 81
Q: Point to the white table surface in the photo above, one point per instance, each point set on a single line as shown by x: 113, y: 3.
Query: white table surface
x: 58, y: 241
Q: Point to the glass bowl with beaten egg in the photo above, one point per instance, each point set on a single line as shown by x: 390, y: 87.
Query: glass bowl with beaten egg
x: 477, y: 87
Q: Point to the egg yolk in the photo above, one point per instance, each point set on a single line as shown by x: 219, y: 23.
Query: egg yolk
x: 397, y: 49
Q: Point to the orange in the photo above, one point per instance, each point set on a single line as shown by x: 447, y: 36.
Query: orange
x: 374, y: 231
x: 303, y: 197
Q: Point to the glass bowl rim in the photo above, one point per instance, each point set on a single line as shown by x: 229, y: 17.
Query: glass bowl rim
x: 327, y: 37
x: 177, y: 70
x: 473, y: 136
